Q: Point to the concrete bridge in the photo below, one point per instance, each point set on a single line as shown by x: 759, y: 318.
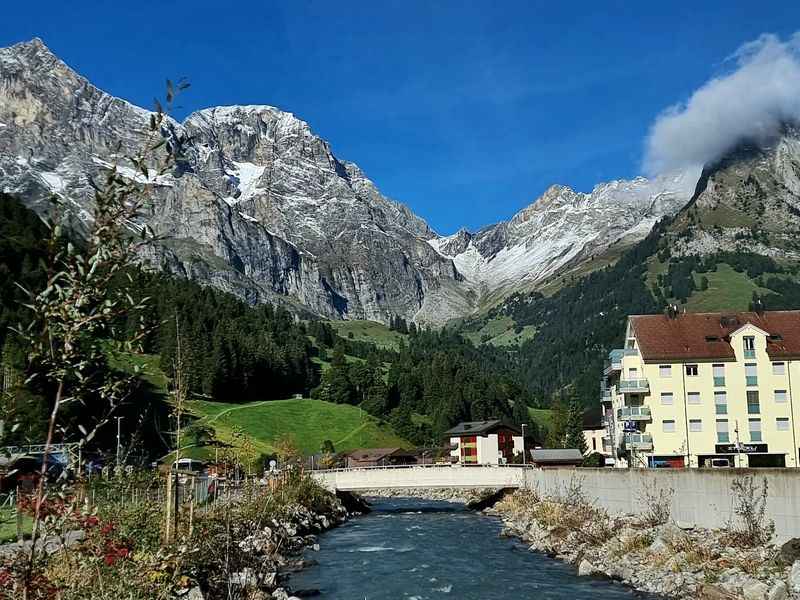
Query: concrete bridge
x: 422, y: 476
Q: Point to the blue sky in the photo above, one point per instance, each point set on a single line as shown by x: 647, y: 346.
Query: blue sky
x: 465, y: 111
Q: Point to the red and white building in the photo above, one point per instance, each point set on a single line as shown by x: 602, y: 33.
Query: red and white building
x: 485, y: 442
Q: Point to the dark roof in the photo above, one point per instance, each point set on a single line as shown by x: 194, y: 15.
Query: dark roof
x: 479, y: 428
x: 372, y: 454
x: 706, y: 336
x: 557, y: 456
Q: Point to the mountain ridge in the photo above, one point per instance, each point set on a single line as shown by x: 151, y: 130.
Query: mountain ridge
x: 262, y: 207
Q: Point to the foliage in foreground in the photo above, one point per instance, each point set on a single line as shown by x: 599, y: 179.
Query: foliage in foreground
x: 122, y: 554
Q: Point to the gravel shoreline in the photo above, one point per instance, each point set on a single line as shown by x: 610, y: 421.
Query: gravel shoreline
x: 665, y: 559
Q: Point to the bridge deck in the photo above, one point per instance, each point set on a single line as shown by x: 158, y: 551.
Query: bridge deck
x: 422, y: 476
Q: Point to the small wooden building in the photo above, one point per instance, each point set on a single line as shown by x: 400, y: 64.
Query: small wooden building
x: 379, y: 457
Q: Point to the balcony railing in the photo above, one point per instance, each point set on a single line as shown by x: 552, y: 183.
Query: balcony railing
x: 631, y: 352
x: 634, y: 413
x: 634, y: 386
x: 749, y: 353
x: 719, y: 381
x: 752, y: 380
x: 638, y: 441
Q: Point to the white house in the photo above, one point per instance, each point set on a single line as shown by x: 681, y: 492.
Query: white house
x: 484, y: 442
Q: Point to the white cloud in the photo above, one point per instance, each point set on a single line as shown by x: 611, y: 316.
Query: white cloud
x: 759, y: 93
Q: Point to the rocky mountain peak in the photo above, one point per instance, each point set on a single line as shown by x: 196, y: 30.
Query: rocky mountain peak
x: 264, y: 208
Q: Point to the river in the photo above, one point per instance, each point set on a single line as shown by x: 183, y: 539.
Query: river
x: 409, y: 549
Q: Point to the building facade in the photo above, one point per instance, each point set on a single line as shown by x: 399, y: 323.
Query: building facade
x: 704, y: 390
x: 484, y: 443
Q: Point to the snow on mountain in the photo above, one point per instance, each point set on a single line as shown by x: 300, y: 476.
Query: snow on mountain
x: 563, y: 227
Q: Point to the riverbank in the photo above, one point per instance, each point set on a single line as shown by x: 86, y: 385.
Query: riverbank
x: 247, y: 547
x: 649, y: 552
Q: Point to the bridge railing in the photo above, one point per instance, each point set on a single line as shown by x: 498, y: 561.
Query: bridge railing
x: 433, y: 466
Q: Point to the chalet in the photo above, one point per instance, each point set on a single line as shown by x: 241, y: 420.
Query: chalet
x: 379, y: 457
x: 484, y: 442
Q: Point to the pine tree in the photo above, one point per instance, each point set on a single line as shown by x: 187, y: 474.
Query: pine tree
x: 556, y: 436
x: 574, y: 432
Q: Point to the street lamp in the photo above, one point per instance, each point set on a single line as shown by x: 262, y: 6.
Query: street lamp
x: 524, y: 425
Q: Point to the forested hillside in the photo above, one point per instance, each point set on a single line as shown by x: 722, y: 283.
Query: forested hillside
x: 437, y: 379
x: 420, y: 381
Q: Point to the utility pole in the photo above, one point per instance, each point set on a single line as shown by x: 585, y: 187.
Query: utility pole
x: 524, y: 451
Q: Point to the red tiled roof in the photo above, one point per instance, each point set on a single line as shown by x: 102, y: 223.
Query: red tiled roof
x: 706, y: 336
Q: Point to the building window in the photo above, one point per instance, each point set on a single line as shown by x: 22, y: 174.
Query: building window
x: 778, y: 368
x: 749, y: 346
x: 755, y: 430
x: 693, y: 398
x: 751, y: 374
x: 721, y: 403
x: 668, y: 426
x: 753, y: 407
x: 780, y: 396
x: 666, y: 398
x: 695, y: 425
x: 782, y: 423
x: 633, y: 373
x: 722, y: 431
x: 719, y: 375
x: 665, y: 370
x: 691, y: 370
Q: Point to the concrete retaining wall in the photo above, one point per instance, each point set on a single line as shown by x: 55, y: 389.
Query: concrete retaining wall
x: 701, y: 496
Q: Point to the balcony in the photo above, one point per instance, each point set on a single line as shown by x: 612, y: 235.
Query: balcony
x: 630, y: 352
x: 719, y: 381
x: 634, y: 413
x: 614, y: 362
x: 605, y: 396
x: 634, y: 386
x: 638, y: 441
x: 749, y: 353
x: 751, y: 380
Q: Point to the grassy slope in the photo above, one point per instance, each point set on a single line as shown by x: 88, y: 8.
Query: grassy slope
x: 498, y: 331
x: 727, y: 290
x: 369, y: 331
x: 543, y: 417
x: 309, y: 421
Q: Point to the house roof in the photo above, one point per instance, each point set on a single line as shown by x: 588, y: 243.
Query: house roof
x: 479, y: 428
x: 371, y: 454
x: 551, y: 456
x: 706, y: 336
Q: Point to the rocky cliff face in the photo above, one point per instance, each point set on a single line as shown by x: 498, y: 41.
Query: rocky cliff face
x: 747, y: 202
x: 262, y: 207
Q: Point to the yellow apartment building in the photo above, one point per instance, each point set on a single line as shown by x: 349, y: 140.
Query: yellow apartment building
x: 704, y: 390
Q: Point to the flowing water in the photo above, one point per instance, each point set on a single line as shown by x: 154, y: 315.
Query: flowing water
x: 419, y: 550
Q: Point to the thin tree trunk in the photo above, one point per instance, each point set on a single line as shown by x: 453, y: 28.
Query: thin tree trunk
x: 40, y: 487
